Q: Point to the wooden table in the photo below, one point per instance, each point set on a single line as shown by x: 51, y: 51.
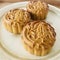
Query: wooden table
x: 7, y: 2
x: 4, y: 4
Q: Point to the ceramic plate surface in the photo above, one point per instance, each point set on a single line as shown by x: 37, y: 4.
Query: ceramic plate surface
x: 12, y: 44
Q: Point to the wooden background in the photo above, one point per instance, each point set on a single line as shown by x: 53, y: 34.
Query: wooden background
x: 53, y: 2
x: 6, y: 2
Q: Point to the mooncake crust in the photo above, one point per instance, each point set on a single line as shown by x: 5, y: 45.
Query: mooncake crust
x: 38, y: 9
x: 38, y: 37
x: 15, y: 19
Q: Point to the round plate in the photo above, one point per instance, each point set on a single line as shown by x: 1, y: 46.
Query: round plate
x: 12, y: 44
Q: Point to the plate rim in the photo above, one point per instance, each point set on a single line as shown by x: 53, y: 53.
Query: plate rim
x: 55, y: 9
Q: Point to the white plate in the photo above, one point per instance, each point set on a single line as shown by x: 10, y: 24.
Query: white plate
x: 12, y: 44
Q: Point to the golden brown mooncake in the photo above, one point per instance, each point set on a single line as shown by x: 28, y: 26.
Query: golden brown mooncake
x: 38, y: 37
x: 37, y: 9
x: 14, y: 20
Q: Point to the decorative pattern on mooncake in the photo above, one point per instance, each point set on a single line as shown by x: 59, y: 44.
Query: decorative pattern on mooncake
x: 38, y: 37
x: 37, y: 9
x: 14, y: 20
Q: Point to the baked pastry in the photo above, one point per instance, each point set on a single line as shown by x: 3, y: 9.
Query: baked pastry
x: 14, y: 20
x: 37, y: 9
x: 38, y: 37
